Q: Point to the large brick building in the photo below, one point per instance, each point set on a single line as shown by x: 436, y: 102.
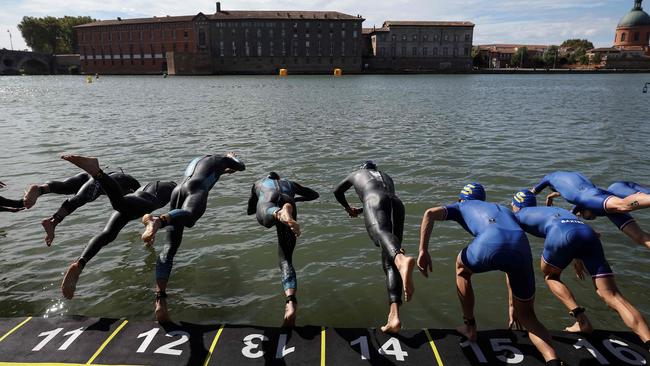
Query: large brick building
x: 420, y: 46
x: 224, y: 42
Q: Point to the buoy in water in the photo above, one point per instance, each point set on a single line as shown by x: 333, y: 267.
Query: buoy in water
x: 89, y: 79
x: 283, y: 72
x: 164, y: 75
x: 645, y: 88
x: 96, y: 76
x: 338, y: 72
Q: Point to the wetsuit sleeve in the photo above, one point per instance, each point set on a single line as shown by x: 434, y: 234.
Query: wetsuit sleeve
x: 234, y: 163
x: 541, y: 185
x: 304, y: 193
x: 339, y: 192
x: 252, y: 202
x: 453, y: 213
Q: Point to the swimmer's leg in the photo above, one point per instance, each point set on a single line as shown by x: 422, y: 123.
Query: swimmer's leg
x: 87, y: 193
x: 633, y: 202
x: 394, y: 286
x: 68, y: 186
x: 608, y: 291
x: 286, y: 246
x: 561, y: 291
x: 286, y: 215
x: 193, y: 207
x: 466, y: 296
x: 537, y: 332
x: 164, y: 265
x: 404, y: 263
x: 116, y: 222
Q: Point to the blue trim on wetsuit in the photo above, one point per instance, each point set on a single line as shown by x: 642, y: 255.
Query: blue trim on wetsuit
x: 500, y: 244
x: 566, y: 238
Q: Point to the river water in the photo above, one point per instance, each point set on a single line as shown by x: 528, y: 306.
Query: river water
x: 432, y: 134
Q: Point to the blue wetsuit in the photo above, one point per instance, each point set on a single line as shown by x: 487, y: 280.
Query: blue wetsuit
x: 567, y: 237
x: 580, y: 191
x: 624, y: 189
x: 268, y: 195
x: 500, y: 244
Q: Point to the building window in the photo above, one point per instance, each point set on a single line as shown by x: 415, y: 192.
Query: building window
x: 185, y: 34
x: 307, y: 48
x: 294, y: 48
x: 382, y: 51
x: 343, y: 48
x: 201, y: 37
x: 623, y: 37
x: 259, y: 49
x: 331, y: 49
x: 415, y: 37
x: 382, y: 37
x: 403, y: 51
x: 425, y: 37
x: 162, y: 35
x: 110, y: 38
x: 637, y: 35
x: 446, y: 37
x: 393, y: 51
x: 247, y: 49
x: 435, y: 37
x: 284, y: 48
x: 186, y: 46
x: 434, y: 51
x: 466, y: 52
x: 234, y: 49
x: 414, y: 51
x: 403, y: 37
x: 270, y: 32
x: 455, y: 52
x: 259, y: 33
x: 151, y: 35
x: 271, y: 48
x: 141, y: 35
x: 468, y: 37
x: 393, y: 37
x: 425, y: 51
x: 354, y: 34
x: 445, y: 51
x: 455, y: 37
x: 130, y: 36
x: 343, y: 33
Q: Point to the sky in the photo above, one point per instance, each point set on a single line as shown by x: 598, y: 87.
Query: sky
x: 497, y: 21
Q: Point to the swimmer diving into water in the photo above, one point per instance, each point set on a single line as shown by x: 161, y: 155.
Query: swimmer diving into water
x: 273, y: 201
x: 384, y: 218
x: 188, y: 203
x: 592, y: 201
x: 127, y: 207
x: 499, y: 244
x: 84, y: 189
x: 567, y: 238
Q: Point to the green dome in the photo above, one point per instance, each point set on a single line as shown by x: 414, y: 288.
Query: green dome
x: 636, y: 17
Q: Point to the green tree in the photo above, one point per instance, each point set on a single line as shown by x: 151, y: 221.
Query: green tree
x: 598, y: 58
x: 577, y: 44
x: 50, y: 34
x: 519, y: 58
x: 550, y: 57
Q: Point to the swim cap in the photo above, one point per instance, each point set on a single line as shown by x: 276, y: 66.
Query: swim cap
x: 472, y: 191
x: 524, y: 198
x: 274, y: 176
x: 368, y: 164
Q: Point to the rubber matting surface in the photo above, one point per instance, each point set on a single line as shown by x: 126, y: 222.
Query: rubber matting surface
x: 77, y: 340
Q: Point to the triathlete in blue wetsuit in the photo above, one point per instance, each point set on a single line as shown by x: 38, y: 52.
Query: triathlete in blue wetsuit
x: 127, y: 207
x: 188, y: 203
x: 499, y: 244
x: 383, y: 214
x: 592, y: 202
x: 568, y: 238
x: 84, y: 189
x: 9, y: 205
x: 273, y: 201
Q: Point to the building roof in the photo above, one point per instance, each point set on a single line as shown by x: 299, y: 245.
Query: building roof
x: 417, y: 23
x: 636, y: 17
x: 232, y: 15
x: 511, y: 48
x: 605, y: 49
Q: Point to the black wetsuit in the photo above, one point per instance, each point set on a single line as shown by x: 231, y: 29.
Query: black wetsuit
x: 127, y: 207
x: 85, y: 189
x: 188, y: 203
x: 268, y: 195
x: 384, y: 217
x: 7, y: 204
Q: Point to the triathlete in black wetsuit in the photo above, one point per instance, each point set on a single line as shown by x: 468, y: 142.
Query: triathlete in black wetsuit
x: 127, y: 207
x: 384, y: 217
x: 188, y: 203
x: 273, y: 200
x: 84, y: 188
x: 8, y: 205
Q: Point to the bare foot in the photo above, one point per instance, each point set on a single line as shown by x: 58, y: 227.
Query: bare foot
x: 49, y: 226
x: 69, y: 284
x: 285, y: 215
x: 89, y: 165
x: 162, y: 316
x: 580, y: 326
x: 290, y: 314
x: 31, y: 195
x: 152, y: 224
x: 406, y: 271
x: 468, y: 331
x: 393, y: 325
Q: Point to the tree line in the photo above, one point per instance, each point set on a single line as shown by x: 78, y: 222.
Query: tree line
x: 570, y: 52
x: 51, y: 34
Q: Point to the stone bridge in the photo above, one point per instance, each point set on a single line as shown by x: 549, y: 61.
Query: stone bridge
x: 22, y: 62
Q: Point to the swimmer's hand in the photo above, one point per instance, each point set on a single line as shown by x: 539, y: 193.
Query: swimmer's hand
x: 2, y: 185
x: 354, y: 211
x: 580, y: 269
x: 549, y: 198
x: 424, y: 263
x: 513, y: 322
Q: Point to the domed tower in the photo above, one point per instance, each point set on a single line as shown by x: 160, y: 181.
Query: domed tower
x: 634, y: 28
